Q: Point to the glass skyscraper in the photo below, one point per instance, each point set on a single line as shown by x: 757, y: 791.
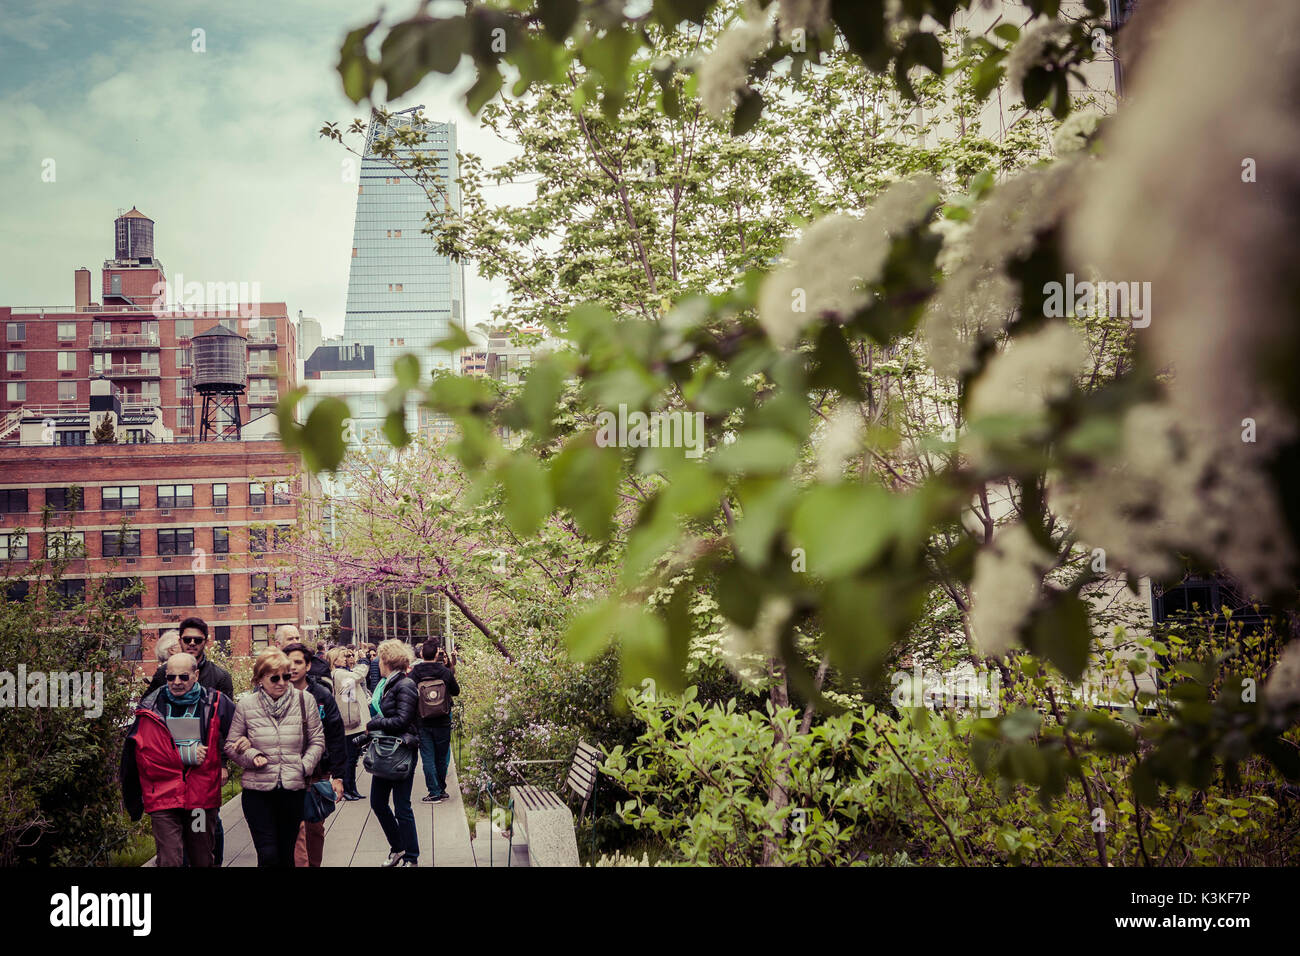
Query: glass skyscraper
x: 401, y: 293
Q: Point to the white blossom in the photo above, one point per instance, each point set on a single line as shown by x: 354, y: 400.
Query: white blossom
x: 1030, y: 372
x: 1072, y: 135
x: 829, y: 265
x: 811, y: 16
x: 1008, y: 575
x: 726, y: 70
x: 1218, y: 251
x: 839, y: 440
x: 1029, y: 49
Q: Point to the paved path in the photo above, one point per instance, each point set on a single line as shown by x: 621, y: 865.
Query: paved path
x: 353, y: 836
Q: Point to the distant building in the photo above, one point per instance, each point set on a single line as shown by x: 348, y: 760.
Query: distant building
x: 206, y: 521
x: 402, y: 295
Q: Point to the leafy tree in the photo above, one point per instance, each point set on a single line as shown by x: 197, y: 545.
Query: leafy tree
x: 1011, y: 462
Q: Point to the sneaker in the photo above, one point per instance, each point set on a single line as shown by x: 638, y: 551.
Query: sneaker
x: 408, y: 863
x: 428, y: 798
x: 441, y: 797
x: 394, y: 858
x: 354, y: 796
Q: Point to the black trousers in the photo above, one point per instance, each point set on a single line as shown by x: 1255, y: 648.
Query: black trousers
x: 273, y: 818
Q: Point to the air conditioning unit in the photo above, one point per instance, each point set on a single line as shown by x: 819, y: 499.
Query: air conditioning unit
x: 166, y: 560
x: 220, y: 557
x: 257, y: 511
x: 165, y: 511
x: 218, y: 511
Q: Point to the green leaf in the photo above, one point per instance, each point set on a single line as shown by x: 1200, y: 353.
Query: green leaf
x: 457, y: 340
x: 925, y: 50
x: 355, y: 67
x: 834, y: 365
x: 395, y: 429
x: 1036, y: 86
x: 842, y: 527
x: 406, y: 369
x: 527, y: 493
x: 584, y: 479
x: 1007, y: 31
x: 485, y: 87
x: 591, y: 631
x: 758, y: 452
x: 321, y: 436
x: 558, y: 17
x: 748, y: 111
x: 1059, y: 631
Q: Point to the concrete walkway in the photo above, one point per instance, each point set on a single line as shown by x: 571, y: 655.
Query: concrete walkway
x: 353, y: 836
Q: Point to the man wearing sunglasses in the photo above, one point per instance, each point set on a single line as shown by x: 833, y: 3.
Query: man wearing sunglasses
x: 194, y: 638
x: 172, y: 762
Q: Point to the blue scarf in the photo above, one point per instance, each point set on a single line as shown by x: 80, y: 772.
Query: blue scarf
x: 188, y: 749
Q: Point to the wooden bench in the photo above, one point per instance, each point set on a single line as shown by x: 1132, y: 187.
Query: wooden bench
x: 541, y: 817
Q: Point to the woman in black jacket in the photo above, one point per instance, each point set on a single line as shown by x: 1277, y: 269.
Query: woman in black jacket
x: 396, y: 707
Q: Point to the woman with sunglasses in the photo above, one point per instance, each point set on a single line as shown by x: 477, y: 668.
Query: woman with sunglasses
x: 277, y: 737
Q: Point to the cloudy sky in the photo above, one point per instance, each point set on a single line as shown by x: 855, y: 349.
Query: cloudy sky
x: 219, y: 147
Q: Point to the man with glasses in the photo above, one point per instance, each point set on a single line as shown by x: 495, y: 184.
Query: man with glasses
x: 194, y: 638
x: 172, y: 762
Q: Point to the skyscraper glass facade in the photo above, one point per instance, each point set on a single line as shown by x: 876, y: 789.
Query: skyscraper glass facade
x: 401, y: 293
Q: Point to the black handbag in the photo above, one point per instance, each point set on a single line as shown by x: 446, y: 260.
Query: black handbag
x: 389, y: 758
x: 318, y: 803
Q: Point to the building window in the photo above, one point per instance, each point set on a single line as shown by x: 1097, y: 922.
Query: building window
x: 185, y: 417
x: 175, y: 496
x: 67, y: 331
x: 283, y: 588
x: 16, y: 361
x: 176, y: 590
x: 13, y: 547
x: 280, y: 493
x: 220, y: 496
x: 71, y: 589
x: 132, y: 650
x: 184, y: 328
x: 13, y: 500
x: 257, y: 588
x: 16, y: 391
x: 73, y: 438
x: 221, y: 589
x: 256, y: 493
x: 67, y: 391
x: 16, y: 331
x: 66, y: 499
x: 67, y: 361
x: 281, y: 537
x: 118, y: 585
x: 65, y: 544
x: 221, y: 634
x: 121, y: 498
x: 220, y: 540
x: 136, y: 436
x: 259, y: 637
x: 175, y: 540
x: 120, y: 544
x: 115, y: 284
x: 257, y: 541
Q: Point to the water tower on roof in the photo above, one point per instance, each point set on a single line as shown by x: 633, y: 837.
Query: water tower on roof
x: 133, y: 236
x: 220, y: 372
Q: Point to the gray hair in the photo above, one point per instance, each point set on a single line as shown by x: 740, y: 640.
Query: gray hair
x: 167, y: 645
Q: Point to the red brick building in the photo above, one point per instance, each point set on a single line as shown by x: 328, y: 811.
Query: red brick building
x: 203, y: 518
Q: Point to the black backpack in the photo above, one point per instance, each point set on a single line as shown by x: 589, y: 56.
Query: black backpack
x: 434, y: 700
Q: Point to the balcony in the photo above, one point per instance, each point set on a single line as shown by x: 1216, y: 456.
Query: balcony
x: 132, y: 371
x: 125, y: 340
x: 263, y: 398
x: 263, y: 370
x: 262, y: 338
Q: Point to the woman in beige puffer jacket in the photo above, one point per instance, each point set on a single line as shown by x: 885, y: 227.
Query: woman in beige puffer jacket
x: 277, y: 737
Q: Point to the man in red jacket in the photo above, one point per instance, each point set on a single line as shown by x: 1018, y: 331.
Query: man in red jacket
x: 171, y: 764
